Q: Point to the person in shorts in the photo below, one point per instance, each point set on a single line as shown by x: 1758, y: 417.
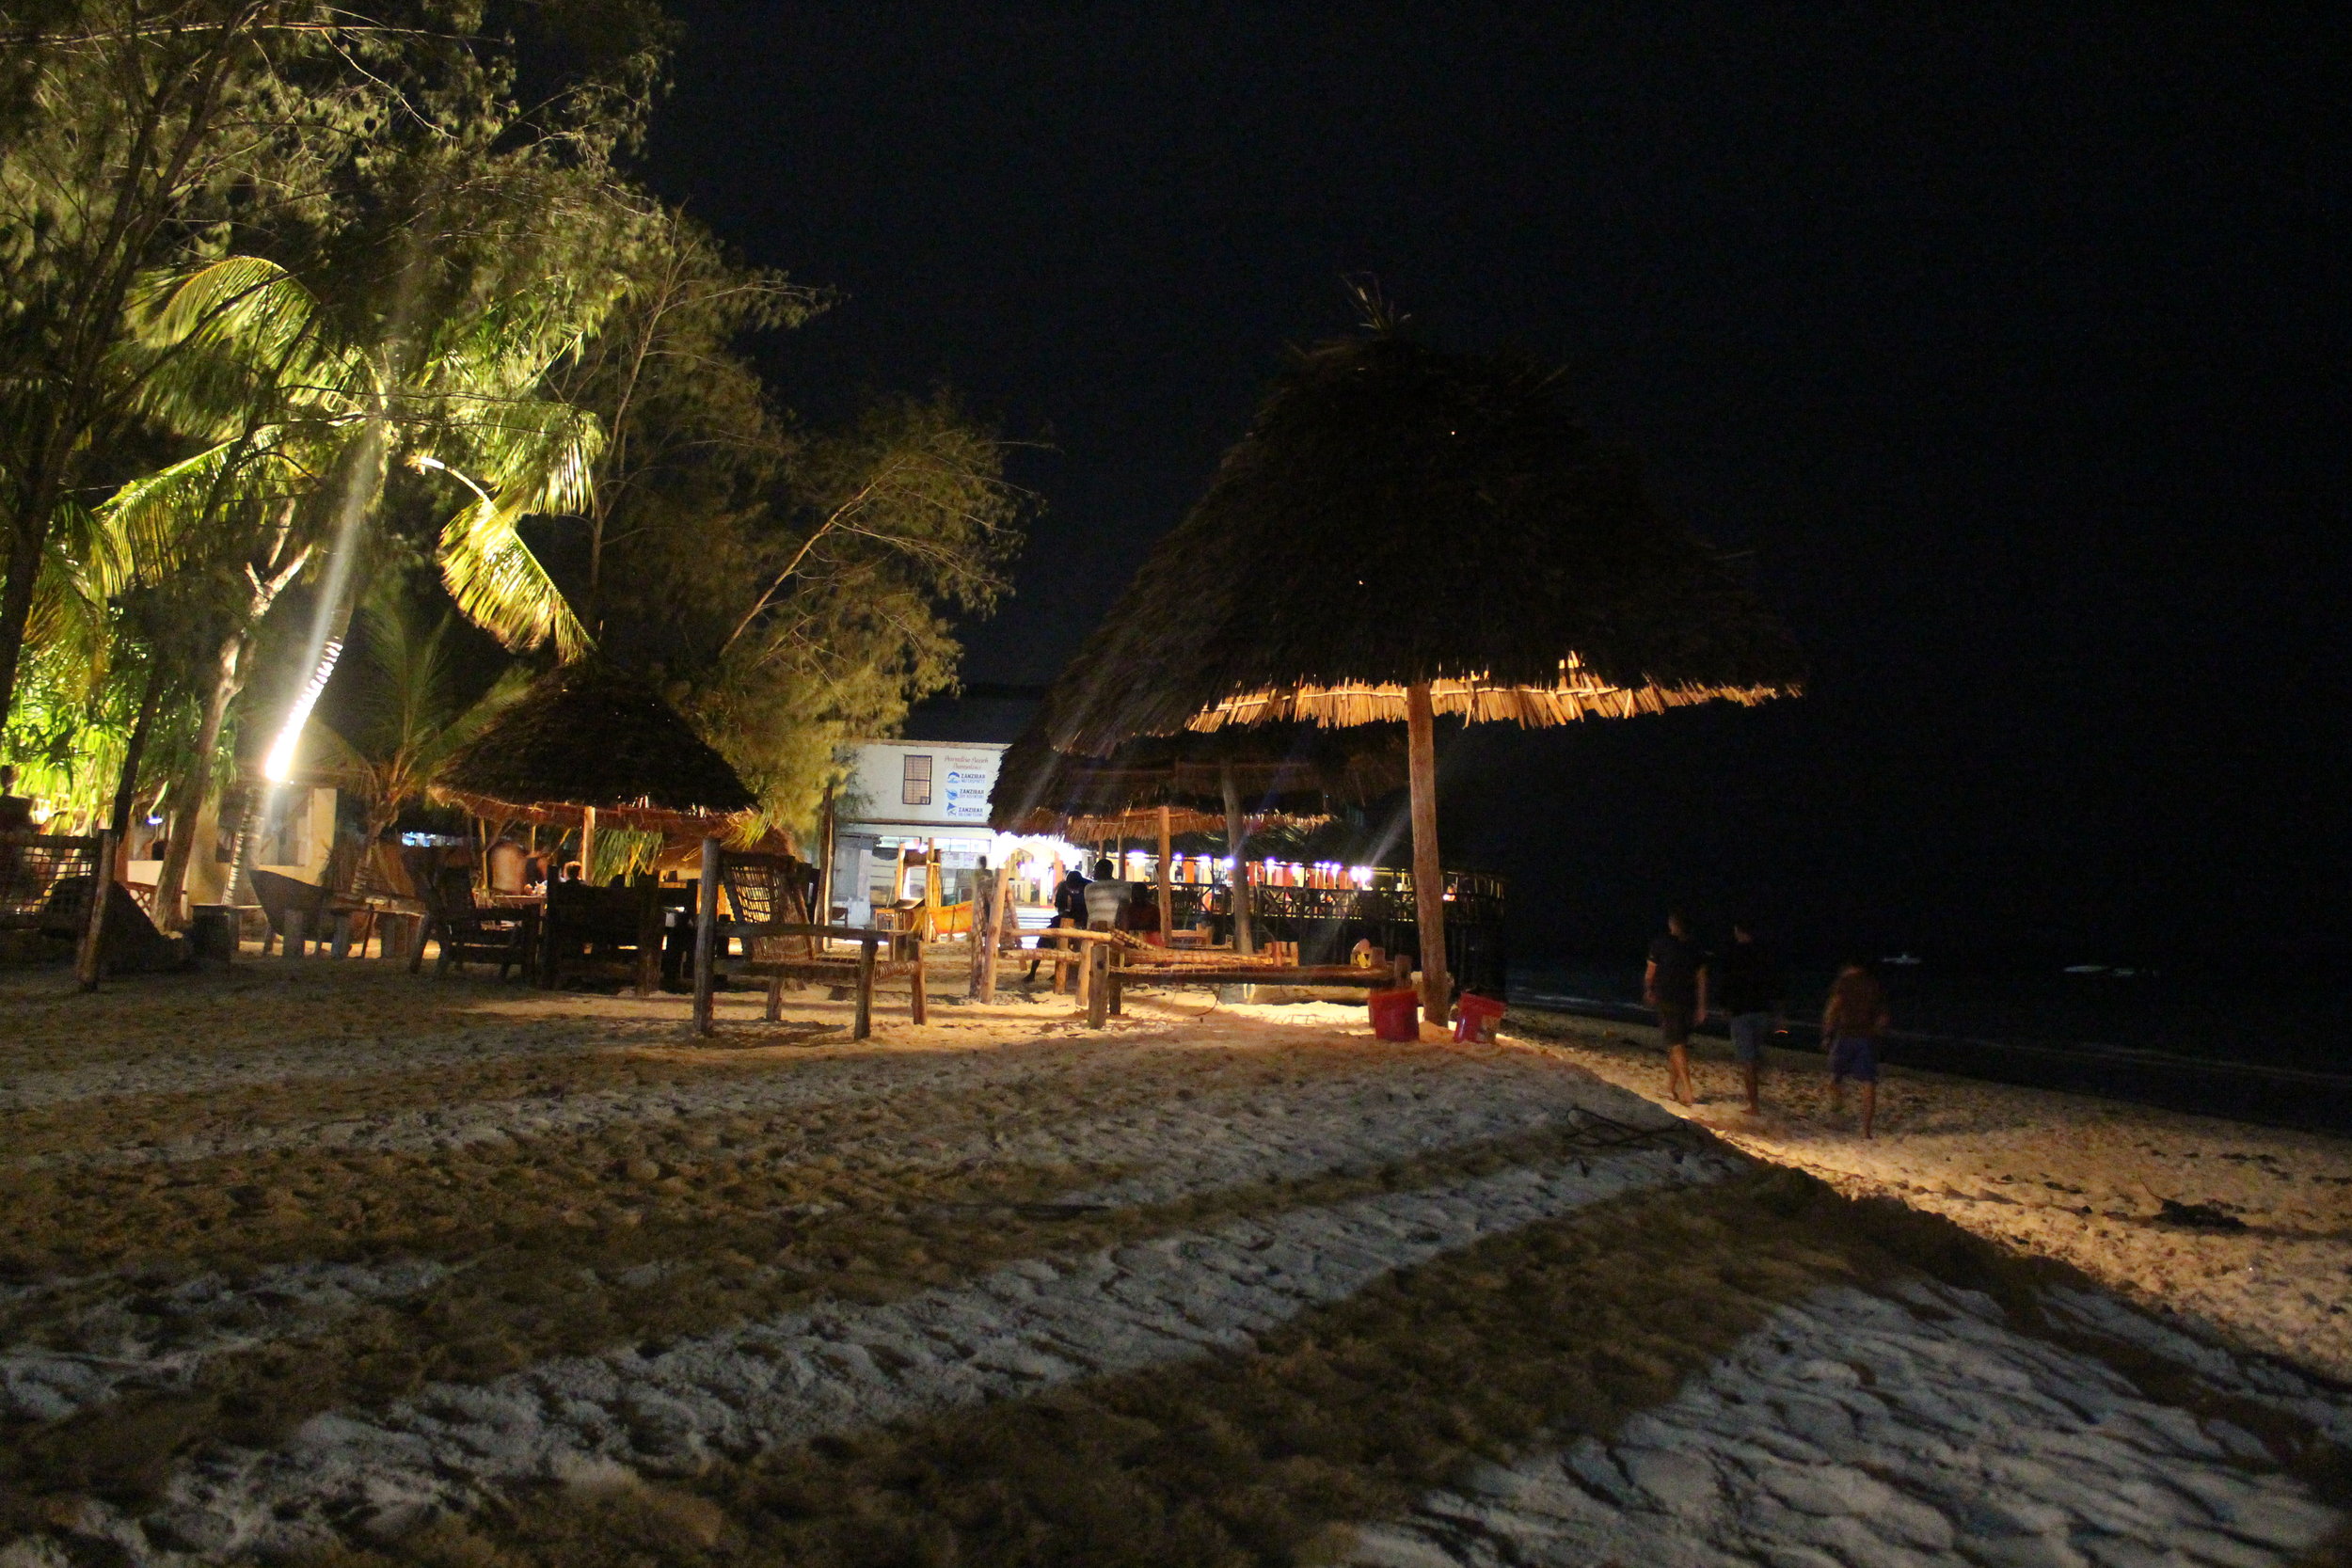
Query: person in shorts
x: 1674, y: 983
x: 1753, y: 996
x: 1851, y: 1025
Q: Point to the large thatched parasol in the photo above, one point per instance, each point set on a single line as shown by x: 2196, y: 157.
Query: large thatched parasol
x: 589, y: 744
x: 1238, y: 781
x: 1405, y: 532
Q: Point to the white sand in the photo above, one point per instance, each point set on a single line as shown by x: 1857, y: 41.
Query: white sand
x: 2065, y: 1176
x: 1849, y: 1419
x: 1853, y: 1429
x: 1011, y: 1333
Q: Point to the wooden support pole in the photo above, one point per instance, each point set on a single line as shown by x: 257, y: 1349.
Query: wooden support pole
x: 865, y: 1025
x: 977, y: 933
x: 89, y: 953
x: 1238, y: 844
x: 706, y: 936
x: 648, y: 935
x: 1421, y: 745
x: 999, y: 897
x: 921, y: 1010
x: 1167, y: 895
x: 1097, y: 970
x: 588, y: 844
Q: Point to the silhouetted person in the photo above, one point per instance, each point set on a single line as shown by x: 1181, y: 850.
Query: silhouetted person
x: 1674, y: 983
x: 1852, y: 1025
x: 1750, y: 989
x: 1069, y: 908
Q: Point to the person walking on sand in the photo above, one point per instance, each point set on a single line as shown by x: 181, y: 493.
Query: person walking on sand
x: 1674, y: 983
x: 1752, y: 998
x: 1850, y: 1024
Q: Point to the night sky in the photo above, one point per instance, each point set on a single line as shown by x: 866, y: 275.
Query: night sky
x: 2015, y: 345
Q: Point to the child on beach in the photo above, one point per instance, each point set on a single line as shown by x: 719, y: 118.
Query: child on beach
x: 1850, y: 1026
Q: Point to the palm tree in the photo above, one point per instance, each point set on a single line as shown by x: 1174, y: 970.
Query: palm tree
x: 302, y: 420
x: 407, y: 718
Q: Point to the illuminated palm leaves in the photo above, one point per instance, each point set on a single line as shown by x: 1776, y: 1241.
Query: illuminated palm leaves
x: 253, y: 363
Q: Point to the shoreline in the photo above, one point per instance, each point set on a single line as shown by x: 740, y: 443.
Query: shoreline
x: 2255, y: 1092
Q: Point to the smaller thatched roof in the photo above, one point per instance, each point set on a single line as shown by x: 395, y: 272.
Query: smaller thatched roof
x: 588, y: 734
x: 1142, y: 827
x: 1296, y: 774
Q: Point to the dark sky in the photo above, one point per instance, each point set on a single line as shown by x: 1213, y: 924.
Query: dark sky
x: 2016, y: 343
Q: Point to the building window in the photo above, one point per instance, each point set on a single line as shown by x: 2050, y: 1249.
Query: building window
x: 918, y: 782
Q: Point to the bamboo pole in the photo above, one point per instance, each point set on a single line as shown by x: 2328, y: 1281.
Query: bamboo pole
x: 1238, y: 844
x: 1437, y: 989
x: 1167, y: 898
x: 588, y: 844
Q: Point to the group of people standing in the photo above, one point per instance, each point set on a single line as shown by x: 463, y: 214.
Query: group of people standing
x: 1749, y: 987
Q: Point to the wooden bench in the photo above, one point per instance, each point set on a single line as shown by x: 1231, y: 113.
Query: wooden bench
x: 764, y: 893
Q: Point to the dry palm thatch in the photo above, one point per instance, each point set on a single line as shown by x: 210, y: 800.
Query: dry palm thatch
x: 1285, y: 773
x: 589, y: 737
x: 1405, y: 532
x: 1400, y: 515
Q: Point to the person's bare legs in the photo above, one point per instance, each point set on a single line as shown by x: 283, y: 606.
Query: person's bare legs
x: 1678, y: 1072
x: 1838, y: 1096
x: 1869, y: 1106
x: 1748, y: 1071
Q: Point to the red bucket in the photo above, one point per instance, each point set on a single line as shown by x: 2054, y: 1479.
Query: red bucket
x: 1395, y: 1014
x: 1475, y: 1017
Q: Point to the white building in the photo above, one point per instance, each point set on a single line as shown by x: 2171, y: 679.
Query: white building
x: 928, y: 795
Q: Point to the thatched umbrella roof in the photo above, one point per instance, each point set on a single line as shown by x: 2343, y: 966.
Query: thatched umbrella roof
x: 588, y: 736
x: 1405, y: 532
x: 1397, y: 515
x: 1286, y: 773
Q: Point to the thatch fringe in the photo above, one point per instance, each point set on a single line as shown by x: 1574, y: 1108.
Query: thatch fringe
x: 1398, y: 515
x: 1284, y: 773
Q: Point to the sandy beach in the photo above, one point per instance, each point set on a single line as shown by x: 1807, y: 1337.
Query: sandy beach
x: 319, y: 1261
x: 2062, y: 1176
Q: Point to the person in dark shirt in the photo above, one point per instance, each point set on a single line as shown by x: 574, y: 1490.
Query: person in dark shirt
x: 1752, y: 995
x: 1850, y: 1024
x: 1069, y: 908
x: 1674, y: 983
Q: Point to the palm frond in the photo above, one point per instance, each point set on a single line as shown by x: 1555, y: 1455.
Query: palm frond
x: 500, y: 586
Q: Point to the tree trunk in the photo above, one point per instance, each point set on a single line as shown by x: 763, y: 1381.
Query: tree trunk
x: 26, y: 542
x: 127, y: 784
x: 1238, y: 842
x: 1421, y: 739
x: 173, y: 875
x: 824, y: 870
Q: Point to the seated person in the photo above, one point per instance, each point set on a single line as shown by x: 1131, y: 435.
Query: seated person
x: 1143, y: 909
x: 1106, y: 898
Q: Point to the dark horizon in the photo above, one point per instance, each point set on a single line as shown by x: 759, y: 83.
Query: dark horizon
x: 2014, y: 347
